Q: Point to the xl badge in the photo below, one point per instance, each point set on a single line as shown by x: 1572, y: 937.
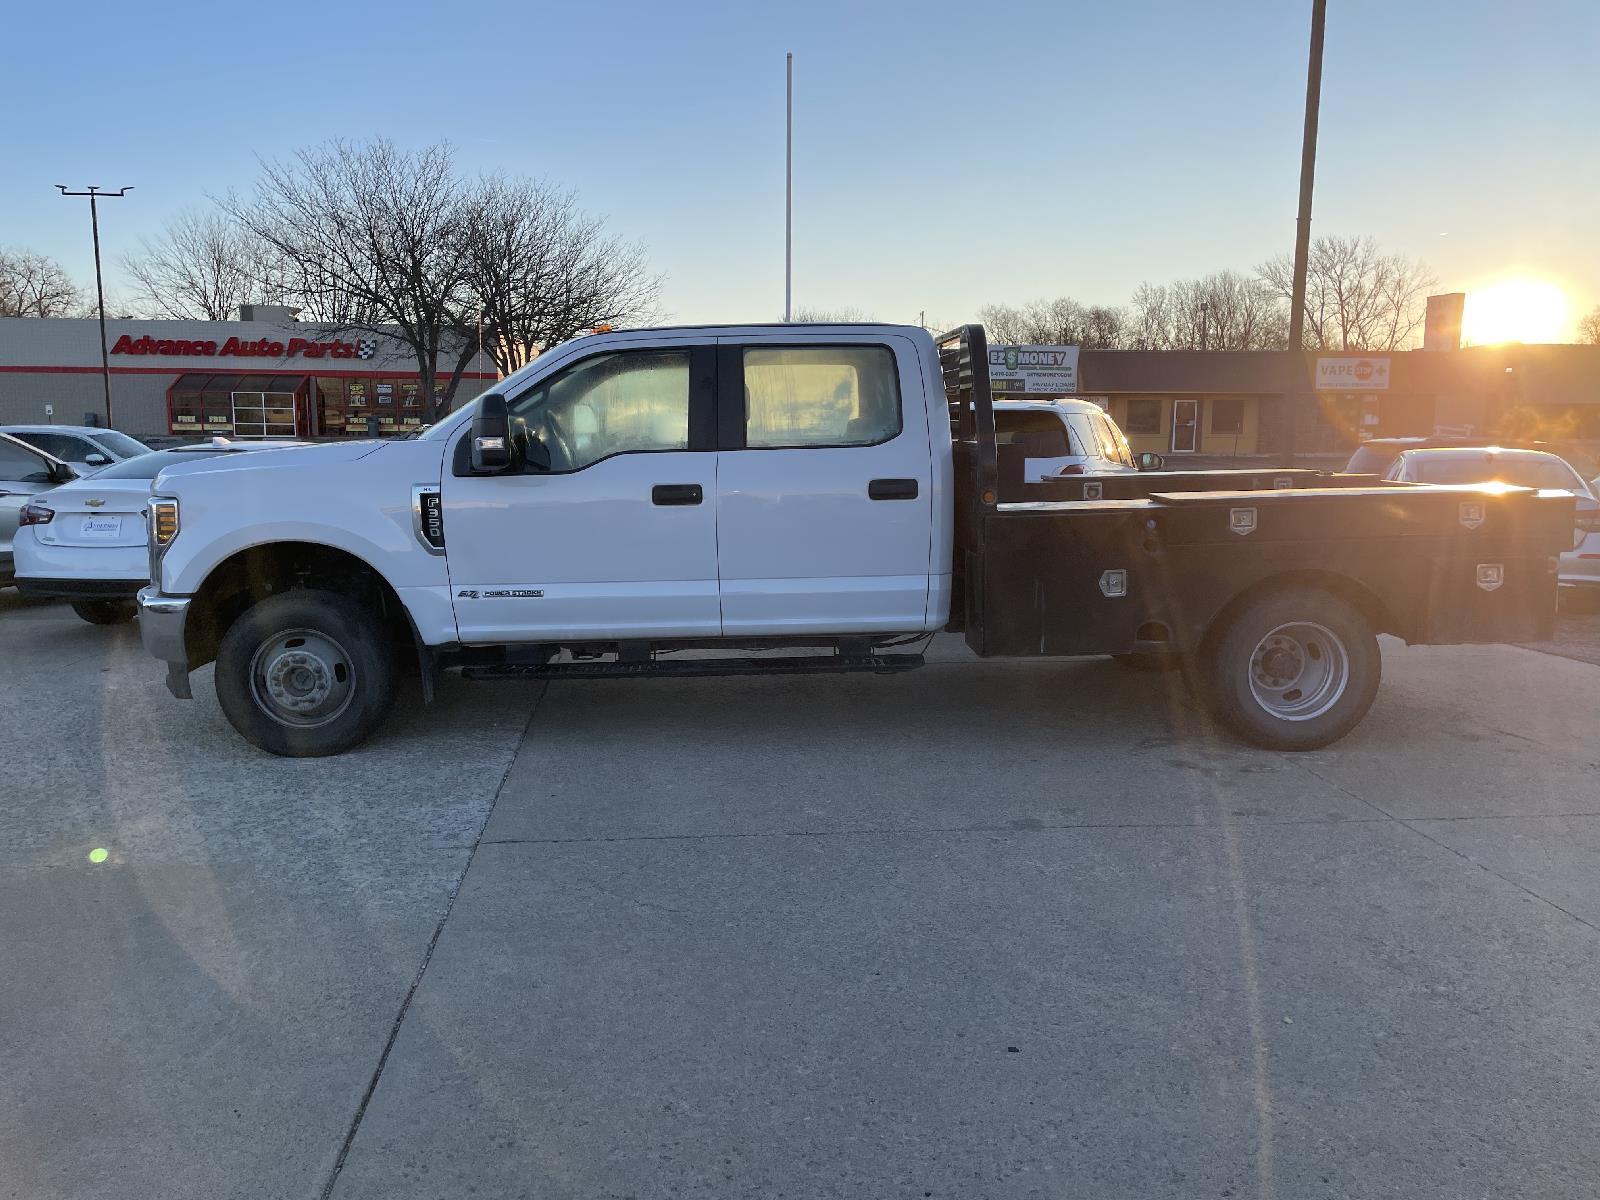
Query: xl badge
x: 1471, y: 513
x: 1242, y: 521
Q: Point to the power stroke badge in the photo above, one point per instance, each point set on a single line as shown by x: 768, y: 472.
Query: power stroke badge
x: 500, y: 594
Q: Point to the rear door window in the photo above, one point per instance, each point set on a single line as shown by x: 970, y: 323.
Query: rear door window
x: 797, y: 396
x: 1040, y: 434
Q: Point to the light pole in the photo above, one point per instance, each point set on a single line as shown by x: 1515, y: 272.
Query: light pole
x: 1302, y: 231
x: 95, y: 195
x: 788, y: 189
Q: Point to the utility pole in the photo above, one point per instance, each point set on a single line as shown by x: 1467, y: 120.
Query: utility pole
x: 95, y: 194
x: 1302, y: 230
x: 788, y: 191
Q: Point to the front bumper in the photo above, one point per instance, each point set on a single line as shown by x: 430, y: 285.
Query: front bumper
x: 80, y: 589
x: 161, y: 626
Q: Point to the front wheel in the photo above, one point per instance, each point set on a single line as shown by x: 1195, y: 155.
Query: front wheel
x: 105, y: 612
x: 1295, y: 669
x: 306, y: 673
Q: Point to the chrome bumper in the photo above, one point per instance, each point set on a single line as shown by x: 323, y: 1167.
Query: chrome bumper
x: 161, y: 621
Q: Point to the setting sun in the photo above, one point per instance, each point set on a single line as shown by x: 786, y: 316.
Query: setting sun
x: 1515, y: 310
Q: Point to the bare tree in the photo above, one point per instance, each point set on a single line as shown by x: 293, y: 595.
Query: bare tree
x: 35, y: 285
x: 202, y: 267
x: 1222, y: 311
x: 1589, y: 327
x: 369, y: 238
x: 1059, y: 322
x: 1357, y: 297
x: 844, y: 315
x: 539, y: 270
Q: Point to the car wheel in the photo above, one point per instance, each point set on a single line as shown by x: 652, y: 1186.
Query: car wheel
x: 105, y: 612
x: 306, y: 673
x: 1295, y: 669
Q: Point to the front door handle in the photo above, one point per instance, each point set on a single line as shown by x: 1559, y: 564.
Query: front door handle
x: 676, y: 493
x: 892, y: 489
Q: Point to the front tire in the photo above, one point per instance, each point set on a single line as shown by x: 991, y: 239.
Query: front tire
x: 306, y: 674
x: 1296, y: 669
x: 105, y: 612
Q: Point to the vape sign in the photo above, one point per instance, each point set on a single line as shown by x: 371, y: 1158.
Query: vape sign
x: 1051, y: 370
x: 1352, y: 374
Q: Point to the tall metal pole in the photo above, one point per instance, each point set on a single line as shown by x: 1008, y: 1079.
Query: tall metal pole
x: 1302, y: 231
x: 94, y: 194
x: 788, y: 191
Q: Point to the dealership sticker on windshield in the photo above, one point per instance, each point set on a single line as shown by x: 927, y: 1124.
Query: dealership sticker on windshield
x: 101, y: 527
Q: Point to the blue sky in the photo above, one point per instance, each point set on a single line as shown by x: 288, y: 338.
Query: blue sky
x: 946, y: 156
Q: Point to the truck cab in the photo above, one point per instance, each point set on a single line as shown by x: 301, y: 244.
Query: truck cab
x: 819, y: 498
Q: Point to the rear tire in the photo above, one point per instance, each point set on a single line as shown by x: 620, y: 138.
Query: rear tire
x: 305, y: 674
x: 105, y: 612
x: 1295, y: 669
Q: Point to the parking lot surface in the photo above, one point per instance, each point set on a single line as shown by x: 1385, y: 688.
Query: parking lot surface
x: 987, y: 929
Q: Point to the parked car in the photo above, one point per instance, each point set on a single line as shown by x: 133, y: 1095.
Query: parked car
x: 1579, y: 571
x: 632, y: 494
x: 1065, y: 437
x: 87, y: 447
x: 24, y: 473
x: 87, y: 542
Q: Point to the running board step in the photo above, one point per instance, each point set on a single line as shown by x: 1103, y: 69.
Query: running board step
x: 811, y: 664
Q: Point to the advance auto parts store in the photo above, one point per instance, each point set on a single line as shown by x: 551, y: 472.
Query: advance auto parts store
x: 259, y: 378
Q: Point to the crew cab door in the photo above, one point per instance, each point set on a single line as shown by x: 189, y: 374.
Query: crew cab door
x: 605, y: 526
x: 824, y: 515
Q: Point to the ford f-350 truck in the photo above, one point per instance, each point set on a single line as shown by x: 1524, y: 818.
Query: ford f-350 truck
x: 823, y: 497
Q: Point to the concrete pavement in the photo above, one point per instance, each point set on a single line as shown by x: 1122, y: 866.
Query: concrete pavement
x: 983, y: 930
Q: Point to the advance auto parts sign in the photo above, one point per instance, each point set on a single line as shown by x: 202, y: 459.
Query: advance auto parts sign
x: 1049, y: 369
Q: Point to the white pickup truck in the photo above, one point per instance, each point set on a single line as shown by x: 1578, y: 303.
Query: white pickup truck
x: 797, y: 488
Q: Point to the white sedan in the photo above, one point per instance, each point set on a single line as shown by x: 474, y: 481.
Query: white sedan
x: 86, y: 541
x: 1579, y: 572
x: 87, y: 448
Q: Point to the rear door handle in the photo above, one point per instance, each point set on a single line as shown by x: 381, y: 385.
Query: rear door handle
x: 676, y: 493
x: 892, y: 489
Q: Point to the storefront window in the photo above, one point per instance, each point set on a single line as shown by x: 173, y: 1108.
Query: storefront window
x: 1144, y: 415
x: 1227, y: 414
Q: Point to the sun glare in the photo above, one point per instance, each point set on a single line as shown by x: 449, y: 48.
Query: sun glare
x: 1515, y: 310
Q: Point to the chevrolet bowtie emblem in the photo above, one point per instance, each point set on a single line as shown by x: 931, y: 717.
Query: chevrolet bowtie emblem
x: 94, y: 503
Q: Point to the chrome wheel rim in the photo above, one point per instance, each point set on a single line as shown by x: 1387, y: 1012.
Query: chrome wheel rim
x: 302, y: 677
x: 1299, y: 670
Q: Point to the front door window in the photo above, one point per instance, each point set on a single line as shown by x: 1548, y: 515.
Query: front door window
x: 263, y: 414
x: 1185, y: 426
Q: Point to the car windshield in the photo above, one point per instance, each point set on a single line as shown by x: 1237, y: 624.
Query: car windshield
x: 151, y: 464
x: 1519, y: 472
x: 118, y: 444
x: 1371, y: 460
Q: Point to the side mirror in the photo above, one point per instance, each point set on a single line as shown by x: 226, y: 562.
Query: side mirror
x: 491, y: 436
x: 62, y: 473
x: 1149, y: 461
x: 97, y: 460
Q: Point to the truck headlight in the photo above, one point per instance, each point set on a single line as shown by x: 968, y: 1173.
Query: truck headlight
x: 163, y: 522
